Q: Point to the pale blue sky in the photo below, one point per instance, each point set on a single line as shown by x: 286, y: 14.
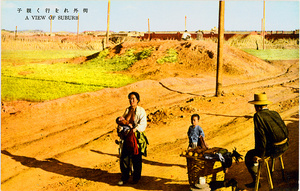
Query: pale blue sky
x: 165, y: 15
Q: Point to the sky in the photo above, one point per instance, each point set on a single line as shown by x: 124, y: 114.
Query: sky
x: 163, y: 15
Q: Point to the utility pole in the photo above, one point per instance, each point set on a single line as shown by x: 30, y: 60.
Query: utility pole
x: 51, y: 25
x: 78, y: 29
x: 16, y: 32
x: 264, y: 25
x: 185, y: 24
x: 107, y: 31
x: 220, y: 48
x: 149, y: 29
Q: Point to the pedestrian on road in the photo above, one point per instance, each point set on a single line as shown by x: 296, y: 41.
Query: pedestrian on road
x: 135, y: 144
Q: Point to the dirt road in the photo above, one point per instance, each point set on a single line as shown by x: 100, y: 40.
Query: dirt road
x: 68, y: 143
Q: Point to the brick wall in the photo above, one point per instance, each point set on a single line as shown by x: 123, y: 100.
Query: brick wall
x: 177, y: 36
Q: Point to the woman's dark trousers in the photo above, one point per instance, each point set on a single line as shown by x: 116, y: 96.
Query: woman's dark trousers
x: 125, y: 165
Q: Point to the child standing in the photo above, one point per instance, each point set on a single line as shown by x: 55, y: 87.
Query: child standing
x: 195, y: 131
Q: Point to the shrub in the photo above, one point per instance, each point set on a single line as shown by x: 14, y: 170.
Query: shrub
x: 172, y: 56
x: 145, y: 53
x: 120, y: 62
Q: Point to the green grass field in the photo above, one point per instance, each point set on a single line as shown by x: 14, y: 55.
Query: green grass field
x: 275, y: 54
x: 35, y: 56
x: 26, y: 76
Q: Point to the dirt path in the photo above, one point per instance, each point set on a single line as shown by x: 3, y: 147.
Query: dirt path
x: 68, y: 144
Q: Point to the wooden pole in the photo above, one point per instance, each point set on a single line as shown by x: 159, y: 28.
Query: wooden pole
x: 107, y: 31
x: 78, y: 29
x: 149, y: 29
x: 185, y: 24
x: 51, y: 25
x: 264, y: 24
x: 16, y: 32
x: 220, y: 48
x: 262, y: 33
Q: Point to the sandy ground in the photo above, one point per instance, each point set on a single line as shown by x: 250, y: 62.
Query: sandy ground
x: 69, y: 143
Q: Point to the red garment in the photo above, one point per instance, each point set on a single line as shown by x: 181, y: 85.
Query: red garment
x: 131, y: 143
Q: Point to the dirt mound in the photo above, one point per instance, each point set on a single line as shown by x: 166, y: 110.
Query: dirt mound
x: 195, y: 58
